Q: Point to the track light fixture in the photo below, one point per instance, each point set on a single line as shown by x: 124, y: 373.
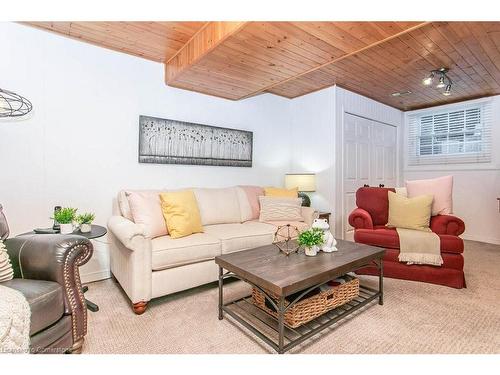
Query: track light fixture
x: 444, y: 80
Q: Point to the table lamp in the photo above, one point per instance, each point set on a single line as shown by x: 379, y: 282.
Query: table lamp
x: 304, y: 182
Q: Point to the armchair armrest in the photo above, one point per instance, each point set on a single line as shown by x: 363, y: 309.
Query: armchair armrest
x: 126, y: 231
x: 309, y: 214
x: 447, y: 224
x: 360, y: 219
x: 55, y: 257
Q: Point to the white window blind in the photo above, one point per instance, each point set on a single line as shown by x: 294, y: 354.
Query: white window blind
x: 458, y: 135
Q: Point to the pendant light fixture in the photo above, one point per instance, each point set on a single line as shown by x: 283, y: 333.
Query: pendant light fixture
x: 13, y: 105
x: 444, y: 80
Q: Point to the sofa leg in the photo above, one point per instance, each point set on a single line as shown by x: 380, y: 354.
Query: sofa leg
x: 77, y: 347
x: 139, y: 307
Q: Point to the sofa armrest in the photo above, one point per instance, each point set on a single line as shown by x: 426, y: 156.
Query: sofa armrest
x: 55, y: 257
x: 309, y: 214
x: 447, y: 224
x: 126, y: 231
x: 360, y: 219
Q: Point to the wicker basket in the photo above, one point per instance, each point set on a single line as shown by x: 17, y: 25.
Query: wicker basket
x: 310, y: 308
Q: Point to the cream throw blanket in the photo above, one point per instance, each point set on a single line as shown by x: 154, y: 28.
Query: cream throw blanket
x: 419, y: 247
x: 14, y: 322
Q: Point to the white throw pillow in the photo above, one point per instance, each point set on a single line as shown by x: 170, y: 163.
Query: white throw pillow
x: 280, y: 209
x: 218, y: 206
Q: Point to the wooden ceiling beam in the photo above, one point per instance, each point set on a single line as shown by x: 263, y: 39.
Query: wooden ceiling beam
x: 345, y: 56
x: 203, y: 42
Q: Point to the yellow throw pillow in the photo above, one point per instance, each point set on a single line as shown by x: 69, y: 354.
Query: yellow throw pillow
x: 181, y: 213
x: 410, y: 213
x: 282, y: 193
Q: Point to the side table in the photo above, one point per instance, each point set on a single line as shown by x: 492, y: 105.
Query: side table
x: 96, y: 231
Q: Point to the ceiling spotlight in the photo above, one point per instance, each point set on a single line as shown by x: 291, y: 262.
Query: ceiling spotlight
x: 428, y: 81
x: 444, y: 80
x: 441, y: 84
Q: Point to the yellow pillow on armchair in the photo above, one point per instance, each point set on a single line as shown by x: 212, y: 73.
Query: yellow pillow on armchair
x: 410, y: 213
x: 282, y: 193
x: 181, y: 213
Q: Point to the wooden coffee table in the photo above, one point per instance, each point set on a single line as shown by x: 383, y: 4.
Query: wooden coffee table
x: 274, y: 273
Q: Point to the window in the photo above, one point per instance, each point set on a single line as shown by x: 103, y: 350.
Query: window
x: 460, y: 135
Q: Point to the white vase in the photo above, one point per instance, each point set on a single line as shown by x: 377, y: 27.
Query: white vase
x: 311, y: 251
x: 66, y: 228
x: 85, y: 228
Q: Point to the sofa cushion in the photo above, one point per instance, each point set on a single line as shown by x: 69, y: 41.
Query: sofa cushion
x: 145, y: 207
x: 300, y: 225
x: 280, y: 192
x: 280, y: 209
x: 168, y: 252
x: 253, y: 193
x: 218, y: 206
x: 388, y: 238
x: 246, y: 210
x: 236, y: 237
x: 45, y: 299
x: 181, y: 213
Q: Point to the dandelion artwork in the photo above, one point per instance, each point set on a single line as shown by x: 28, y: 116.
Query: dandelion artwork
x: 164, y: 141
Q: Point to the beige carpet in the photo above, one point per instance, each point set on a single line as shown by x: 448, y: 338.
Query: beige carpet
x: 415, y: 318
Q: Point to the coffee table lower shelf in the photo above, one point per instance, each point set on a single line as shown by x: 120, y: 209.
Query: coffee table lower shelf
x: 267, y: 327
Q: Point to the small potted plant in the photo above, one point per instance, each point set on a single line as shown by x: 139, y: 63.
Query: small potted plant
x: 311, y: 239
x: 85, y: 220
x: 65, y: 217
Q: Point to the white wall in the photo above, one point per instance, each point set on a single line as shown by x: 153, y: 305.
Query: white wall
x: 476, y: 187
x: 312, y: 130
x: 79, y: 146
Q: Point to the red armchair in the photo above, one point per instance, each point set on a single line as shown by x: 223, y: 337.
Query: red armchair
x: 369, y: 221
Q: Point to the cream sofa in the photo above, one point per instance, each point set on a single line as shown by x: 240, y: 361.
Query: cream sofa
x: 148, y: 267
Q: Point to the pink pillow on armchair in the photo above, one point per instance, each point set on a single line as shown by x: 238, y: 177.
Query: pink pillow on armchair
x: 442, y: 190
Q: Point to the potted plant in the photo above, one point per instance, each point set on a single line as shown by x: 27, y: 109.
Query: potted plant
x: 311, y: 239
x: 65, y: 217
x: 85, y: 220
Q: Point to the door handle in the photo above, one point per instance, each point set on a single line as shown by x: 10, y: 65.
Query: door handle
x: 381, y: 185
x: 365, y: 185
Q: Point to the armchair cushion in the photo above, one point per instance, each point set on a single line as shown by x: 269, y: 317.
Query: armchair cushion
x: 45, y: 299
x: 376, y: 202
x: 447, y: 224
x: 388, y: 238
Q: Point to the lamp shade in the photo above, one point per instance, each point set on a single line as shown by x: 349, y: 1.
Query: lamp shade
x: 302, y: 181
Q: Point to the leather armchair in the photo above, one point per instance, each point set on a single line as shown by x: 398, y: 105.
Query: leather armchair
x: 369, y: 220
x: 46, y: 273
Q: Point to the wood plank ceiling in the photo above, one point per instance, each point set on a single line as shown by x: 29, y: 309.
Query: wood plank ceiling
x: 237, y: 60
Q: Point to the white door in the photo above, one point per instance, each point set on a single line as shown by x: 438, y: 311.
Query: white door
x: 369, y: 159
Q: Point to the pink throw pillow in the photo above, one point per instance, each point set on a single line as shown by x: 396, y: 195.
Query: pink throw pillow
x: 146, y: 210
x: 442, y: 190
x: 253, y: 193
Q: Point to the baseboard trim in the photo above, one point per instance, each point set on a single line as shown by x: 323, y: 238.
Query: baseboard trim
x: 95, y: 276
x: 495, y: 241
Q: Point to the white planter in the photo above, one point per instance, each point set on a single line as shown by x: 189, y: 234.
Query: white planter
x: 311, y: 251
x: 66, y: 228
x: 85, y: 228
